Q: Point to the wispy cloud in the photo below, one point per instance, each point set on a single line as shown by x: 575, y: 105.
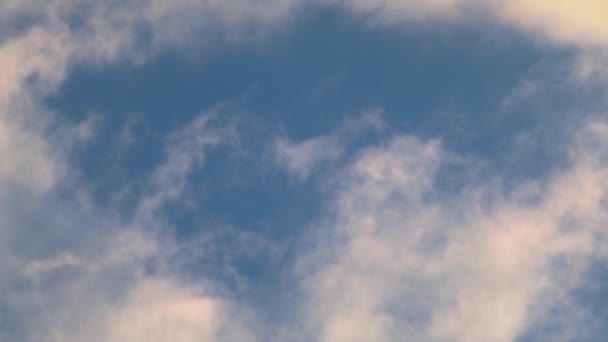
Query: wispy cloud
x: 302, y: 159
x: 74, y: 271
x: 399, y: 260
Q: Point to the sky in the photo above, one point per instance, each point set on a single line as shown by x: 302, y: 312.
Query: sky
x: 303, y: 170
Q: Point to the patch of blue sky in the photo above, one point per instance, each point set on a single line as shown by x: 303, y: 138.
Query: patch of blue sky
x: 430, y: 82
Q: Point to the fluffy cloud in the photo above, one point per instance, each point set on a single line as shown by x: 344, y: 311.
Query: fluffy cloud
x: 399, y: 258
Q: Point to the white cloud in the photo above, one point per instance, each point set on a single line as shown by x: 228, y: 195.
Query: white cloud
x: 56, y: 34
x: 580, y: 23
x: 73, y: 271
x: 114, y: 299
x: 158, y: 310
x: 24, y: 157
x: 65, y: 259
x: 302, y: 159
x: 577, y: 23
x: 399, y: 259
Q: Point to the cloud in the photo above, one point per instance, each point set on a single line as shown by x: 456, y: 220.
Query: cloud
x: 62, y: 260
x: 186, y: 152
x: 25, y: 157
x: 158, y: 310
x: 302, y: 159
x: 581, y: 23
x: 60, y: 32
x: 116, y: 300
x: 577, y: 23
x: 73, y: 271
x: 399, y: 259
x: 393, y: 11
x: 53, y: 36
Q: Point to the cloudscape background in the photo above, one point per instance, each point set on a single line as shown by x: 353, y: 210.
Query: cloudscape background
x: 291, y: 170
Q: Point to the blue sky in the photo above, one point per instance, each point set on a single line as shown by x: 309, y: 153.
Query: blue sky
x: 291, y: 170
